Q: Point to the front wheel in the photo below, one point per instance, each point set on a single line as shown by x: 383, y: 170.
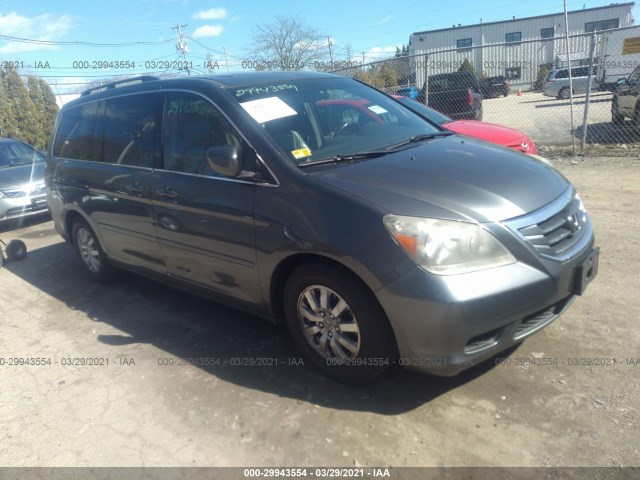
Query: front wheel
x: 564, y: 93
x: 636, y: 116
x: 616, y: 118
x: 337, y: 323
x: 90, y: 252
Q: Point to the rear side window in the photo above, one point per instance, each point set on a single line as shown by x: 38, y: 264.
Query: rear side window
x: 451, y: 81
x: 562, y: 74
x: 132, y: 129
x: 77, y: 132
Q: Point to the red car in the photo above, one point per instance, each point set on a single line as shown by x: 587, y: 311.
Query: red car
x: 344, y: 114
x: 508, y: 137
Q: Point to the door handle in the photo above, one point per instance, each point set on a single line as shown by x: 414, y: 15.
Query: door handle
x: 136, y: 187
x: 167, y: 192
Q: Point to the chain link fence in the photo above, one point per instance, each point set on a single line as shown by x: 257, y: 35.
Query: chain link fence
x: 526, y: 85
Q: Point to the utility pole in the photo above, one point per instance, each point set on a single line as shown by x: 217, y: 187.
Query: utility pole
x: 226, y: 60
x: 330, y: 53
x: 181, y: 46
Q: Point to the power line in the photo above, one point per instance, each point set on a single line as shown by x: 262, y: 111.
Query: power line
x: 85, y: 44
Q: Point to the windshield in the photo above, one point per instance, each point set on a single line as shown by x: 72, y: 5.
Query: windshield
x: 322, y: 118
x: 427, y: 112
x: 449, y: 81
x: 15, y: 153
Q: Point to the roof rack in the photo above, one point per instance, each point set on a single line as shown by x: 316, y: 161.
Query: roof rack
x: 121, y: 83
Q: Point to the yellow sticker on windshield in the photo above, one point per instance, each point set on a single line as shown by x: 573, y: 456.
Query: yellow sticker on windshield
x: 301, y: 153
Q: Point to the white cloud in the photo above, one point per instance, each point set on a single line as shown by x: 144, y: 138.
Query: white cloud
x: 208, y: 31
x: 376, y: 53
x: 45, y: 27
x: 212, y: 14
x: 387, y: 19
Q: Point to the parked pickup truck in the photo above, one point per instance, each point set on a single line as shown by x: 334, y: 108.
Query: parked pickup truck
x: 456, y: 94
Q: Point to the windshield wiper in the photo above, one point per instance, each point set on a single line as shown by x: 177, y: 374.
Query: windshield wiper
x: 418, y: 138
x: 346, y: 157
x: 376, y: 153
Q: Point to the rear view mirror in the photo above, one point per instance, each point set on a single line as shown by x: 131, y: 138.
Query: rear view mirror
x: 224, y: 160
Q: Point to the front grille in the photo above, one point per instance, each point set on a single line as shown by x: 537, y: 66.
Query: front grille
x: 555, y: 230
x: 14, y: 193
x: 27, y: 190
x: 537, y: 320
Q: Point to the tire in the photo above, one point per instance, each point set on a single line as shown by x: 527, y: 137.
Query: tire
x: 616, y: 118
x: 90, y: 252
x: 564, y: 93
x: 636, y: 116
x: 16, y: 250
x: 337, y: 323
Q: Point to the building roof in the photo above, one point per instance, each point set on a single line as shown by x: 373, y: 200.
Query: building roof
x: 628, y: 4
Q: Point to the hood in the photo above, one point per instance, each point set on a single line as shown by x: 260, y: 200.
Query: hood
x: 14, y: 177
x: 509, y: 137
x: 452, y: 177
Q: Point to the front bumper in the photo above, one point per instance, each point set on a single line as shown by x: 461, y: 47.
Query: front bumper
x: 12, y: 208
x: 446, y: 324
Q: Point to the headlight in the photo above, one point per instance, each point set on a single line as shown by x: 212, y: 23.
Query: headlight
x: 542, y: 159
x: 447, y: 247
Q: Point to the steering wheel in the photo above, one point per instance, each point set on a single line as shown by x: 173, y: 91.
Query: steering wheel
x: 348, y: 128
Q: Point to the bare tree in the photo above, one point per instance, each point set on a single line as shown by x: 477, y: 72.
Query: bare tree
x: 287, y: 44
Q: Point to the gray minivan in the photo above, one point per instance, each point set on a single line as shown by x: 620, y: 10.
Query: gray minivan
x: 556, y: 83
x: 377, y: 239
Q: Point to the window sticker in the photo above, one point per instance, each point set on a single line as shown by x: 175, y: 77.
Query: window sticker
x: 301, y: 153
x: 268, y: 89
x: 377, y: 109
x: 267, y: 109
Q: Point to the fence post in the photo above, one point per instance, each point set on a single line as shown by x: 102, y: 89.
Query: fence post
x: 426, y: 79
x: 592, y: 46
x: 566, y: 27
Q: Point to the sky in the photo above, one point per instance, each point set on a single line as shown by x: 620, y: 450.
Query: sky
x: 60, y: 39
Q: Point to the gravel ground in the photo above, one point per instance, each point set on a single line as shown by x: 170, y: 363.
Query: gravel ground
x: 569, y: 396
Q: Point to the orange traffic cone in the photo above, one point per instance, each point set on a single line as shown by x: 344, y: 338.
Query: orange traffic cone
x: 519, y: 92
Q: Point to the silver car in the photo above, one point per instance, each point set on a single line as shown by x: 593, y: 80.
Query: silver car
x: 21, y: 180
x: 556, y: 84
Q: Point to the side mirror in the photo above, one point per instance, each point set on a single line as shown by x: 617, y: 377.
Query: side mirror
x: 621, y: 81
x: 224, y: 160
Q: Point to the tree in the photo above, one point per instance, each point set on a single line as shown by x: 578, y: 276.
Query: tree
x: 37, y: 98
x: 27, y: 112
x: 404, y: 52
x: 8, y: 124
x: 20, y: 106
x: 287, y: 44
x: 466, y: 66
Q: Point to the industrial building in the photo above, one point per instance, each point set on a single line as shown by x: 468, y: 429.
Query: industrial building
x: 516, y: 48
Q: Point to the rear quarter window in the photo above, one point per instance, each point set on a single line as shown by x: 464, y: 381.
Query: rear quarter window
x: 77, y: 137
